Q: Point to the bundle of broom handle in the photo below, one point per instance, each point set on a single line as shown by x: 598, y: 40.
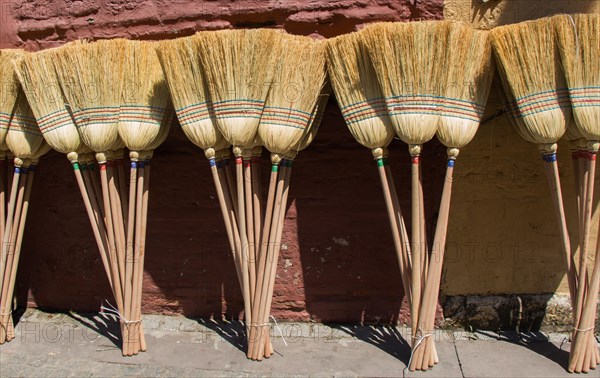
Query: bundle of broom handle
x: 12, y: 238
x: 121, y: 249
x: 584, y: 353
x: 424, y: 353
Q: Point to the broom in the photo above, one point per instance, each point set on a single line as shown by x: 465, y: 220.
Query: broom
x: 579, y: 45
x: 40, y: 83
x: 528, y: 61
x: 402, y: 56
x: 284, y: 122
x: 26, y: 143
x: 8, y: 96
x: 142, y: 113
x: 90, y: 83
x: 239, y: 65
x: 468, y: 81
x: 363, y: 107
x: 189, y: 92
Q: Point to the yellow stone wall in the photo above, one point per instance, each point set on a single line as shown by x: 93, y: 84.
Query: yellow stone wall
x: 503, y: 234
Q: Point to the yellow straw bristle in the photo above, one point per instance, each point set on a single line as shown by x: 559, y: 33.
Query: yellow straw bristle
x: 8, y: 90
x: 39, y: 80
x: 409, y: 62
x: 579, y: 45
x: 468, y: 79
x: 294, y: 93
x: 315, y: 118
x: 357, y: 91
x: 145, y: 96
x: 24, y: 138
x: 528, y: 62
x: 89, y: 76
x: 239, y: 67
x: 180, y: 61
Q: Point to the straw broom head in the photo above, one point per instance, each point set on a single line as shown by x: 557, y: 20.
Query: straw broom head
x: 357, y: 91
x: 165, y: 127
x: 145, y: 95
x: 89, y: 76
x: 467, y: 85
x: 24, y: 138
x: 315, y: 118
x: 529, y: 67
x: 294, y: 93
x: 409, y: 63
x: 9, y: 86
x: 579, y: 45
x: 40, y: 83
x: 239, y: 67
x: 180, y: 61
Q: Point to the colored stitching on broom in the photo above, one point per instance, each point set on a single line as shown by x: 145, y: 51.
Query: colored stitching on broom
x: 84, y: 167
x: 549, y: 158
x: 440, y: 101
x: 450, y: 163
x: 75, y: 166
x: 141, y: 164
x: 103, y: 166
x: 247, y: 163
x: 194, y: 112
x: 554, y: 92
x: 133, y: 165
x: 212, y: 162
x: 415, y: 159
x: 238, y: 160
x: 274, y: 167
x: 380, y: 162
x: 377, y: 100
x: 55, y: 121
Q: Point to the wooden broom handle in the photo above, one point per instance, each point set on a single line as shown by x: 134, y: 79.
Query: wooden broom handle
x: 143, y: 252
x: 2, y: 205
x: 12, y: 222
x: 585, y: 359
x: 432, y: 282
x: 276, y: 249
x: 226, y: 217
x: 416, y: 245
x: 586, y: 323
x: 249, y: 204
x: 393, y: 214
x: 262, y: 255
x: 118, y: 285
x: 244, y: 239
x: 231, y: 219
x: 269, y: 259
x: 551, y: 168
x: 231, y: 185
x: 11, y: 236
x: 117, y: 218
x: 130, y: 253
x: 8, y: 228
x: 19, y: 237
x: 257, y: 198
x: 100, y: 241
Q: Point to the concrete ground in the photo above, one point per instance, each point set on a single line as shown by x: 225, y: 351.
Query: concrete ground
x: 80, y: 345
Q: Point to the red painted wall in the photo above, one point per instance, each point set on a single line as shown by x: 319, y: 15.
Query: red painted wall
x: 338, y: 261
